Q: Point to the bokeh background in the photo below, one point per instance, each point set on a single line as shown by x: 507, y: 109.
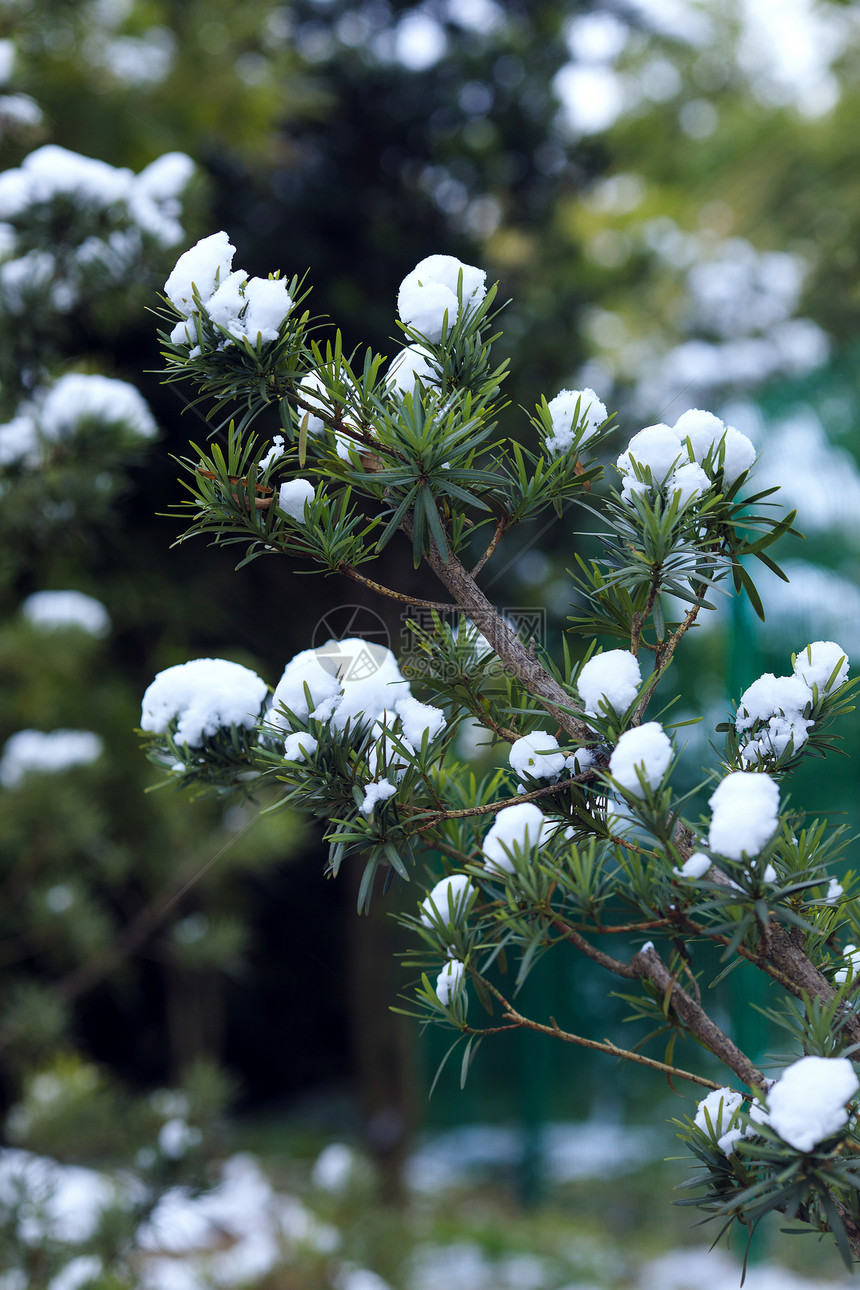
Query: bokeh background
x: 668, y: 192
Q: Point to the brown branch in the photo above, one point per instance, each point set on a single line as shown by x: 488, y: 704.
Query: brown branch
x: 504, y: 640
x: 496, y: 539
x: 492, y: 808
x: 518, y: 1020
x: 400, y: 596
x: 591, y: 951
x: 648, y: 964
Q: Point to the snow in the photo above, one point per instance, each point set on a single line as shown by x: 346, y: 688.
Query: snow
x: 429, y: 292
x: 772, y: 709
x: 719, y: 1107
x: 292, y: 498
x: 690, y: 481
x: 79, y: 398
x: 612, y: 677
x: 299, y: 746
x: 413, y: 363
x: 151, y: 198
x: 536, y: 756
x: 204, y: 266
x: 378, y: 791
x: 50, y: 610
x: 449, y: 901
x: 74, y: 1197
x: 657, y: 447
x: 644, y: 748
x: 33, y: 751
x: 176, y: 1137
x: 335, y: 1168
x: 562, y: 409
x: 523, y: 825
x: 697, y: 865
x: 19, y: 441
x: 450, y: 981
x: 250, y: 308
x: 418, y: 719
x: 202, y: 696
x: 745, y: 814
x: 349, y: 680
x: 816, y: 664
x: 276, y: 451
x: 707, y: 433
x: 807, y: 1103
x: 851, y: 959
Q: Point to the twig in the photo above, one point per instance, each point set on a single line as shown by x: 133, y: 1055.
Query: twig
x: 401, y: 596
x: 497, y: 537
x: 518, y: 1020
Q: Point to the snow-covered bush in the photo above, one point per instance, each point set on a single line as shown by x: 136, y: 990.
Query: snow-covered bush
x: 580, y: 831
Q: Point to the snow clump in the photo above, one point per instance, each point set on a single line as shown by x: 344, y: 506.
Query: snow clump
x: 851, y: 959
x: 613, y: 677
x: 719, y: 1107
x: 709, y: 436
x: 202, y: 697
x: 79, y: 398
x: 349, y: 680
x: 807, y: 1104
x: 299, y: 746
x: 35, y: 751
x: 523, y: 826
x: 772, y: 711
x: 697, y: 865
x: 563, y: 411
x: 449, y: 982
x: 413, y: 363
x: 418, y: 719
x: 246, y: 308
x: 54, y: 610
x: 292, y: 498
x: 428, y: 295
x: 537, y: 756
x: 378, y: 791
x: 449, y: 901
x: 816, y: 664
x: 644, y: 748
x: 745, y: 814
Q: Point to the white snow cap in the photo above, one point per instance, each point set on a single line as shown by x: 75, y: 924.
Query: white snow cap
x: 816, y: 663
x: 413, y: 363
x: 523, y: 825
x: 707, y: 433
x: 449, y: 982
x: 697, y: 865
x: 299, y: 746
x: 34, y: 750
x: 658, y: 447
x: 775, y: 704
x: 562, y: 409
x: 851, y: 959
x: 720, y: 1105
x: 276, y: 451
x: 247, y: 308
x: 690, y: 481
x: 416, y: 719
x: 292, y: 497
x: 429, y: 292
x: 807, y: 1104
x: 379, y: 791
x: 50, y: 610
x: 79, y: 397
x: 349, y: 679
x: 449, y: 900
x: 745, y: 808
x: 614, y: 676
x: 647, y: 748
x: 204, y: 266
x: 537, y: 756
x: 203, y: 696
